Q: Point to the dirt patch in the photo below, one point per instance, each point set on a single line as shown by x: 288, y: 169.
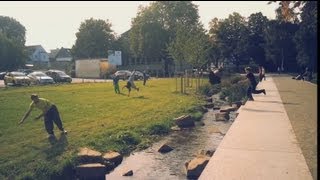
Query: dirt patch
x: 300, y: 101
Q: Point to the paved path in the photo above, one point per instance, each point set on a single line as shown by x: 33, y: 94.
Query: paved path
x: 260, y: 144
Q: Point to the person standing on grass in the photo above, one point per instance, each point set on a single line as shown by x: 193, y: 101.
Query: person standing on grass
x: 253, y: 84
x: 49, y: 112
x: 116, y: 84
x: 130, y: 83
x: 145, y: 78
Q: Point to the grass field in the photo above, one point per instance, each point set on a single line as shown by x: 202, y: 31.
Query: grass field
x: 93, y: 115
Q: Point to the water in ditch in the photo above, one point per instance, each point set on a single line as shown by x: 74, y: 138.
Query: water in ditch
x: 187, y: 143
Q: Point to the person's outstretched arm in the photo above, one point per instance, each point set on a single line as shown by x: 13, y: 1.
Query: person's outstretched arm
x: 25, y: 116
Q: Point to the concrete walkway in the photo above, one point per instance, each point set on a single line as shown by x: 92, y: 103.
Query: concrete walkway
x: 260, y: 144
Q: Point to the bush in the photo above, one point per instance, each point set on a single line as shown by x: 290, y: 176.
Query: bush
x: 235, y: 92
x: 127, y: 138
x: 209, y: 89
x: 159, y: 129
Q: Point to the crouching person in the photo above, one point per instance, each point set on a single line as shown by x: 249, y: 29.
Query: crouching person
x: 49, y: 111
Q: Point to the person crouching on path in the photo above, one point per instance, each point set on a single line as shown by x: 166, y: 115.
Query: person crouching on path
x: 253, y: 84
x: 130, y: 83
x: 49, y: 111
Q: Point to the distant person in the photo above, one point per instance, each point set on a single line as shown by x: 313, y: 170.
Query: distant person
x: 307, y: 75
x: 253, y: 84
x: 49, y: 112
x: 116, y: 84
x: 214, y: 78
x: 262, y: 73
x: 130, y: 84
x: 278, y: 70
x: 145, y: 78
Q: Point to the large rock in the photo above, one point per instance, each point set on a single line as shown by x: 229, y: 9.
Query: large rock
x: 175, y: 128
x: 227, y: 108
x: 208, y: 153
x: 87, y: 155
x: 91, y: 171
x: 237, y: 104
x: 184, y: 121
x: 195, y: 167
x: 113, y: 157
x: 222, y: 116
x: 165, y: 148
x: 209, y: 105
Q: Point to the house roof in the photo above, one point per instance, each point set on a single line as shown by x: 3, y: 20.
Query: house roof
x: 62, y: 52
x: 31, y: 49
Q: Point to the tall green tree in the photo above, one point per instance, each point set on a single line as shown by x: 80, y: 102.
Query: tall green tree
x: 156, y: 26
x: 256, y: 26
x: 12, y: 44
x: 306, y: 37
x: 232, y: 35
x: 94, y: 39
x: 280, y: 48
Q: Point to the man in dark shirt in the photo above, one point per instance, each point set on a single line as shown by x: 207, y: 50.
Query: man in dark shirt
x: 253, y: 84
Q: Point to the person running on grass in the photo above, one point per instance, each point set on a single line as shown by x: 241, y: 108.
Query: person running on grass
x: 253, y: 84
x: 130, y: 84
x: 116, y: 84
x: 49, y: 112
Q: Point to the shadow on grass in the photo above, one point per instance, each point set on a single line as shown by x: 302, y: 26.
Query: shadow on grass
x: 140, y: 97
x: 58, y: 146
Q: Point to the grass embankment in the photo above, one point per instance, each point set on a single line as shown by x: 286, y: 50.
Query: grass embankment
x: 94, y: 116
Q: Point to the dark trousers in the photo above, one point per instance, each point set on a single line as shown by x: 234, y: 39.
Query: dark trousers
x: 52, y: 116
x: 252, y: 90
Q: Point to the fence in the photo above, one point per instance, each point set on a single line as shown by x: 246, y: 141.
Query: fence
x: 188, y: 80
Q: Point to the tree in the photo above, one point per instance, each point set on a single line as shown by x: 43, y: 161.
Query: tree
x: 190, y: 46
x: 256, y: 25
x: 94, y: 39
x: 215, y: 51
x: 156, y: 26
x: 288, y: 11
x: 280, y: 48
x: 12, y: 41
x: 306, y: 36
x: 232, y: 36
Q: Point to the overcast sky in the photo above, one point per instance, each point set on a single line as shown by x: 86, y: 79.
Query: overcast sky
x: 54, y: 24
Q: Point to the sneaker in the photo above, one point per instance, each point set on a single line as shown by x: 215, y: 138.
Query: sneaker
x: 250, y: 99
x: 137, y: 89
x: 64, y: 132
x: 50, y: 136
x: 264, y: 92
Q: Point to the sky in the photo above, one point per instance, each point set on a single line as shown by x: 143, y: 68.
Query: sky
x: 53, y: 24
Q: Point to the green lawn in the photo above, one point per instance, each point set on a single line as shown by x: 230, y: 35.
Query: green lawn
x: 92, y: 114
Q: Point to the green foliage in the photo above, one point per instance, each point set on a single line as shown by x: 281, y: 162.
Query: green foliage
x: 12, y: 40
x: 209, y: 90
x: 306, y: 37
x: 159, y: 129
x: 94, y: 39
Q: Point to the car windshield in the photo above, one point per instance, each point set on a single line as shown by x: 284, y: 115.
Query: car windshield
x: 18, y: 74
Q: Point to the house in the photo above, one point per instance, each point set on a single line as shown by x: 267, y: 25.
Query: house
x: 38, y: 56
x: 59, y: 55
x: 61, y: 59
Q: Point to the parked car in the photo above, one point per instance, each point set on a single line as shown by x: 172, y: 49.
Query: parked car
x: 2, y: 74
x: 59, y: 76
x: 123, y: 74
x: 16, y: 78
x: 138, y: 75
x: 38, y: 77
